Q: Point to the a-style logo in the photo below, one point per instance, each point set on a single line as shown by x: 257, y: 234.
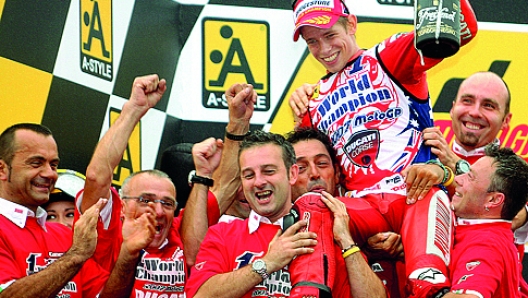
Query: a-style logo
x: 96, y: 38
x: 235, y: 51
x: 131, y: 160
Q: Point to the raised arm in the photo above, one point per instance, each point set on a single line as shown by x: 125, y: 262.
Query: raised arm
x: 146, y: 93
x: 206, y: 157
x: 241, y: 99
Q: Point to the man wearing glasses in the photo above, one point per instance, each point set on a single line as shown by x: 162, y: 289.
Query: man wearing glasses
x: 151, y: 261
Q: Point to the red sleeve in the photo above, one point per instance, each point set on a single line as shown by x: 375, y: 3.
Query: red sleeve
x: 399, y: 57
x: 468, y: 23
x: 210, y: 261
x: 94, y: 277
x: 109, y: 239
x: 213, y: 210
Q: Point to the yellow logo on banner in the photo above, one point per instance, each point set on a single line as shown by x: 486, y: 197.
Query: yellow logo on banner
x: 131, y: 160
x: 96, y: 38
x: 233, y: 52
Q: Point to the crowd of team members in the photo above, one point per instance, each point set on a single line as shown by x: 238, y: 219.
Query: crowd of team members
x: 311, y: 214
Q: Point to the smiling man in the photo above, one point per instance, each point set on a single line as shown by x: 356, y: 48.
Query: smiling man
x: 158, y: 267
x: 486, y: 200
x: 480, y: 111
x: 39, y: 258
x: 374, y: 105
x: 249, y: 258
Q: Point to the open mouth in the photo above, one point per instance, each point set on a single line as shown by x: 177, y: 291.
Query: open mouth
x: 331, y: 58
x: 263, y: 195
x: 42, y: 186
x: 472, y: 126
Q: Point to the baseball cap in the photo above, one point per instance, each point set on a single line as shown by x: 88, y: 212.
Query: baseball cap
x: 69, y: 183
x: 318, y: 13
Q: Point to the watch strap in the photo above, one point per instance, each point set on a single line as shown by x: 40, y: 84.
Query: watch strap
x: 234, y: 137
x: 202, y: 180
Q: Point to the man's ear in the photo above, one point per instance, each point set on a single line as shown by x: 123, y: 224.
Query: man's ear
x: 294, y: 173
x: 123, y: 209
x: 496, y: 199
x: 352, y: 24
x: 4, y: 170
x: 506, y: 121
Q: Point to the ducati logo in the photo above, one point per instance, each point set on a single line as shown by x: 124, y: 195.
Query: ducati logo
x: 363, y: 148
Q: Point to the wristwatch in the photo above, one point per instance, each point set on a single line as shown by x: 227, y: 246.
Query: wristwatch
x: 193, y: 178
x: 259, y: 267
x: 462, y: 166
x: 234, y: 137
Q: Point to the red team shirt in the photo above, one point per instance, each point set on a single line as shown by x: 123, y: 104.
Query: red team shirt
x: 230, y: 246
x: 485, y: 261
x: 520, y: 234
x: 28, y: 245
x: 161, y: 272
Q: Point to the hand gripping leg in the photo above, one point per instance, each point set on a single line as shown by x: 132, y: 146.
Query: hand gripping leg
x: 312, y: 275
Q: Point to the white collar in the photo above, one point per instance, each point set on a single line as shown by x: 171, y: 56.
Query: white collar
x: 18, y: 214
x: 476, y: 221
x: 255, y: 219
x: 477, y: 151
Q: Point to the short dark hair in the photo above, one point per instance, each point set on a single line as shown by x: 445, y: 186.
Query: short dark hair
x: 7, y: 139
x: 510, y: 178
x: 308, y: 133
x: 259, y: 138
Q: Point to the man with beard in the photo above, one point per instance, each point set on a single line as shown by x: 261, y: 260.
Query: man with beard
x: 480, y: 111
